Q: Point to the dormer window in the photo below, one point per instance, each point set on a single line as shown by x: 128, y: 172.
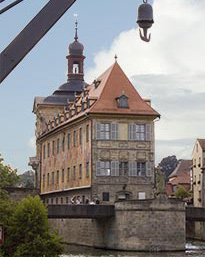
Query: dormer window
x: 122, y: 102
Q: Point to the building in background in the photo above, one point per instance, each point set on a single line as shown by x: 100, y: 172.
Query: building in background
x: 198, y: 159
x: 94, y: 142
x: 198, y: 183
x: 180, y: 177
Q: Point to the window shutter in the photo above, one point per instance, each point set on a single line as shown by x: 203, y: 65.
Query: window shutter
x: 129, y: 132
x: 132, y: 168
x: 98, y: 173
x: 98, y: 126
x: 114, y: 131
x: 114, y: 168
x: 132, y: 132
x: 148, y: 132
x: 149, y: 169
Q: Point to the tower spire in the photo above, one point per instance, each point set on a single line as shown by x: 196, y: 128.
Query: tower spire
x: 76, y: 27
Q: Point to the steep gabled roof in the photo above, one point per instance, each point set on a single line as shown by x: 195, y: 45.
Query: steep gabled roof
x: 112, y: 84
x: 182, y: 168
x: 202, y: 143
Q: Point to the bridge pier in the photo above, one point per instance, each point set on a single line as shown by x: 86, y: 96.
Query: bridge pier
x: 138, y: 225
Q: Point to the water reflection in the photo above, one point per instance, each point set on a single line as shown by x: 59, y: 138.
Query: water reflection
x: 194, y: 249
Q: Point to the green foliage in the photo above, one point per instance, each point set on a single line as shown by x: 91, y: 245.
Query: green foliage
x: 8, y: 176
x: 181, y: 192
x: 28, y: 233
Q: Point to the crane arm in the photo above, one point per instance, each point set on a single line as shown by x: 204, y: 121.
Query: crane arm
x: 12, y: 55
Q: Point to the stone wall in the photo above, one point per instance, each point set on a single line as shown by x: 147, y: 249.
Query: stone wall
x: 19, y: 193
x: 138, y: 225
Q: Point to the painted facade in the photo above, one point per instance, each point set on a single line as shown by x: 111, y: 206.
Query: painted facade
x: 94, y: 142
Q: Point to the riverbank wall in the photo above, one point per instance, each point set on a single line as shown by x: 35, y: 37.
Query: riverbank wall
x: 138, y: 225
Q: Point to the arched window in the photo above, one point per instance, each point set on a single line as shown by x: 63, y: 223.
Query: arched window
x: 76, y: 68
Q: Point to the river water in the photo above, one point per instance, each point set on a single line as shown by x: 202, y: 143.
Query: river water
x: 193, y: 249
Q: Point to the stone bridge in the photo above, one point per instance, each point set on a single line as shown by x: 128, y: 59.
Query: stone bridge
x: 80, y: 211
x: 195, y: 213
x: 106, y: 211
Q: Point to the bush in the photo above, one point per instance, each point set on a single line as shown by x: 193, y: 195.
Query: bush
x: 28, y: 233
x: 181, y: 192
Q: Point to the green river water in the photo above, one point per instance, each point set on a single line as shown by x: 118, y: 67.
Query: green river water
x: 193, y: 249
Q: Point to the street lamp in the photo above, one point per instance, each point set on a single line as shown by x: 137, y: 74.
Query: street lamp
x: 145, y: 20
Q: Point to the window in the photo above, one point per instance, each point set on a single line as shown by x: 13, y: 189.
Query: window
x: 74, y: 173
x: 63, y: 175
x: 66, y: 199
x: 48, y: 150
x: 141, y: 195
x: 174, y: 188
x: 57, y: 177
x: 63, y: 144
x: 104, y: 131
x: 61, y: 200
x: 58, y: 145
x: 140, y: 132
x: 87, y: 169
x: 106, y: 196
x: 107, y: 131
x: 122, y: 102
x: 44, y: 151
x: 53, y: 147
x: 43, y: 180
x: 47, y: 201
x: 107, y: 168
x: 103, y: 168
x: 87, y: 133
x: 139, y: 169
x: 80, y: 136
x: 52, y: 178
x: 123, y: 168
x: 56, y: 200
x: 74, y: 138
x: 76, y: 68
x: 51, y: 200
x: 68, y: 140
x: 68, y: 174
x: 48, y: 179
x: 80, y: 171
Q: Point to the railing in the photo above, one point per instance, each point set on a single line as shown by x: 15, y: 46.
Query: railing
x: 80, y: 211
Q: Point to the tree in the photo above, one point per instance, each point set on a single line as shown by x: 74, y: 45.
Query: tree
x: 28, y: 233
x: 181, y: 192
x: 8, y: 176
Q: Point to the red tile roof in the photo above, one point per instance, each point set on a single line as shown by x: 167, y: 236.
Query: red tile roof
x: 114, y: 83
x: 181, y: 174
x: 183, y: 166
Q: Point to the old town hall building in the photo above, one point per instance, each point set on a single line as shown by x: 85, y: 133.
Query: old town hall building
x: 94, y: 141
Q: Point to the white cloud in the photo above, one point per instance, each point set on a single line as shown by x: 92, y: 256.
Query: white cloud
x: 170, y: 69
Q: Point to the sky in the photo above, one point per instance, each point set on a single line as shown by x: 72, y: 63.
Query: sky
x: 170, y: 70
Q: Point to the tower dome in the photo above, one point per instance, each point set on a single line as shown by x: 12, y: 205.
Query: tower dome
x: 76, y: 48
x: 75, y: 83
